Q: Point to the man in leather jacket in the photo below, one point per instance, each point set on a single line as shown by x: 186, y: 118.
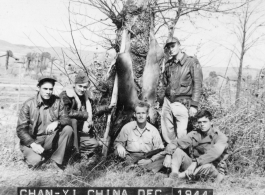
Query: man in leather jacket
x: 43, y: 126
x: 79, y: 111
x: 182, y: 77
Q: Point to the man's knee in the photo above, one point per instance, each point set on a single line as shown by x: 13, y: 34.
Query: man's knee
x: 67, y: 130
x: 33, y: 159
x: 178, y: 152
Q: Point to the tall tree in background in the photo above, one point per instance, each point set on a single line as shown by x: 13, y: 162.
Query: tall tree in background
x: 249, y: 30
x: 134, y: 15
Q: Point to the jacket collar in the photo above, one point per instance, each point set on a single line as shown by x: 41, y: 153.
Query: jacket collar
x: 181, y: 61
x: 209, y: 135
x: 39, y: 101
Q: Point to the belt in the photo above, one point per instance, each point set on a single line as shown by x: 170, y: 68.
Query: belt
x: 185, y: 100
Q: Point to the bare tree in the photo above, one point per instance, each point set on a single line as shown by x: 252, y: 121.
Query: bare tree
x: 249, y: 30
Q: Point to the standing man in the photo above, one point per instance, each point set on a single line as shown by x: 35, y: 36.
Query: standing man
x: 183, y: 78
x: 138, y: 138
x: 207, y: 148
x: 43, y: 126
x: 79, y: 111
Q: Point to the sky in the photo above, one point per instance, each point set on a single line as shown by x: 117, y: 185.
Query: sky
x: 45, y: 23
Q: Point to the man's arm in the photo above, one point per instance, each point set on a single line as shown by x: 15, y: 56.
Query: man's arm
x: 182, y: 143
x: 215, y: 152
x: 23, y: 126
x: 76, y: 114
x: 120, y: 142
x: 158, y: 144
x: 121, y: 138
x: 197, y: 77
x: 63, y: 116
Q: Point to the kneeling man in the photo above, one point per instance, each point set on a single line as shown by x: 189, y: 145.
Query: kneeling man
x: 79, y: 111
x: 43, y: 126
x: 137, y: 138
x: 207, y: 148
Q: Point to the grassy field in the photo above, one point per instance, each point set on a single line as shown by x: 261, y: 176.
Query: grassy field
x: 244, y: 126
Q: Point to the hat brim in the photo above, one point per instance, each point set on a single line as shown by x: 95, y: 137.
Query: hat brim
x: 169, y: 44
x: 46, y: 79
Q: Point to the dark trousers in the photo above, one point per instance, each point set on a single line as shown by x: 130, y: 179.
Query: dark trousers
x: 85, y: 143
x: 63, y: 141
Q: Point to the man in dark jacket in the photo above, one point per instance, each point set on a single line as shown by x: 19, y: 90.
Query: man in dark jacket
x: 182, y: 77
x: 43, y: 126
x: 207, y: 152
x: 79, y: 111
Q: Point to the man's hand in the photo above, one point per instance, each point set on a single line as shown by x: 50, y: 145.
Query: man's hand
x: 37, y: 148
x: 167, y: 162
x: 51, y: 127
x: 189, y: 172
x: 144, y: 162
x: 89, y: 123
x: 87, y: 126
x: 121, y: 151
x: 192, y: 111
x: 111, y: 106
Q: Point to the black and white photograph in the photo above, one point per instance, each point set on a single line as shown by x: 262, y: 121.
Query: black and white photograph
x: 132, y: 97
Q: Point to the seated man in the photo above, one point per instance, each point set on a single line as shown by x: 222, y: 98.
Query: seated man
x: 138, y: 138
x: 79, y: 111
x: 43, y: 126
x: 207, y: 150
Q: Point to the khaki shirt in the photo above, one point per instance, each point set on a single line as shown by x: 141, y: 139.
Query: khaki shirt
x: 135, y: 140
x: 205, y: 149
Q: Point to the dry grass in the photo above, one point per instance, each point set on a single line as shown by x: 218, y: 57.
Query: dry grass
x: 243, y: 125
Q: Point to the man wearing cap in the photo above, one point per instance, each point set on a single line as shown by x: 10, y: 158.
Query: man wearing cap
x: 182, y: 77
x: 79, y: 110
x: 43, y: 127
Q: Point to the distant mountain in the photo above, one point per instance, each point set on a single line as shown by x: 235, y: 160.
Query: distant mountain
x: 60, y: 53
x: 89, y: 56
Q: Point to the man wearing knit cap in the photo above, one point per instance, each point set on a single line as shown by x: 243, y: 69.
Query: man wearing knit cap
x: 43, y: 127
x: 79, y: 110
x: 182, y: 77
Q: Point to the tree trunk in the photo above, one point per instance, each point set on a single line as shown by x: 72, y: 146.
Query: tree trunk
x: 51, y: 67
x: 238, y: 87
x: 7, y: 60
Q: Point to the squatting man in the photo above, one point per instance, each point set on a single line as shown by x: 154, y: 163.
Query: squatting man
x: 44, y: 128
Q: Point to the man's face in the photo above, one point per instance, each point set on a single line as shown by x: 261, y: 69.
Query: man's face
x: 204, y: 124
x: 173, y: 49
x: 80, y: 89
x: 141, y: 114
x: 46, y: 90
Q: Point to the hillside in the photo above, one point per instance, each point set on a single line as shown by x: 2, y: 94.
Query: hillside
x: 59, y: 53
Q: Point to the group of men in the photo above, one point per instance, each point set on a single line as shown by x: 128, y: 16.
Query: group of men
x: 48, y: 126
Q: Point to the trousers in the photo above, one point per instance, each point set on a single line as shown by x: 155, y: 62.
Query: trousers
x: 85, y: 143
x: 174, y: 120
x: 63, y: 141
x: 181, y: 161
x: 133, y: 157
